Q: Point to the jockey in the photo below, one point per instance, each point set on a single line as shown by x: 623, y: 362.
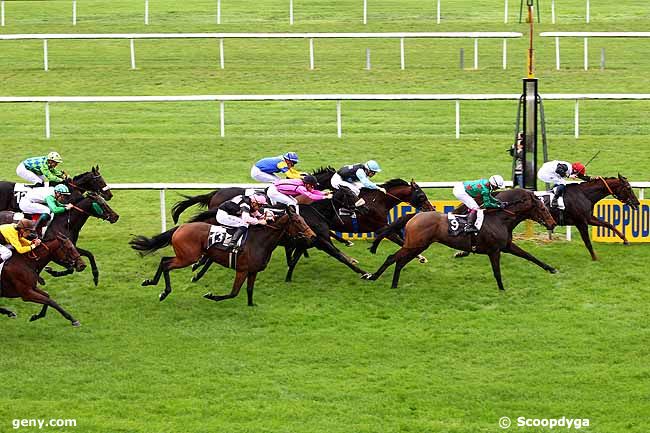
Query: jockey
x: 15, y: 235
x: 357, y: 176
x: 284, y: 191
x: 555, y: 172
x: 467, y: 191
x: 42, y: 169
x: 240, y: 212
x: 45, y: 201
x: 264, y: 170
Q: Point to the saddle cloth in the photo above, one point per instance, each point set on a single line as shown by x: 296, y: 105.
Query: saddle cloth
x: 547, y: 198
x: 20, y: 191
x: 220, y: 237
x: 457, y: 223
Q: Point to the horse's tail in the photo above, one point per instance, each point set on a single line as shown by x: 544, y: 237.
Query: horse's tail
x: 204, y: 216
x: 390, y: 229
x: 202, y: 200
x: 148, y: 245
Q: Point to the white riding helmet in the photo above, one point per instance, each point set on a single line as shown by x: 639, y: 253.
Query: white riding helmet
x: 54, y: 156
x: 496, y: 181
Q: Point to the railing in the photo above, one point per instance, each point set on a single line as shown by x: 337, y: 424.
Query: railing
x: 326, y: 97
x: 162, y: 187
x: 586, y: 35
x: 311, y: 36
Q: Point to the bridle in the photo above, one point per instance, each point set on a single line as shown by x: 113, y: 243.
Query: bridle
x: 609, y: 189
x: 82, y: 189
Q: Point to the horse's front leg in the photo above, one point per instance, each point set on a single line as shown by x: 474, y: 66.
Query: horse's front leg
x: 40, y: 314
x: 593, y: 221
x: 495, y: 261
x: 35, y: 296
x: 516, y: 250
x: 8, y: 313
x: 240, y: 277
x: 394, y: 237
x: 93, y: 264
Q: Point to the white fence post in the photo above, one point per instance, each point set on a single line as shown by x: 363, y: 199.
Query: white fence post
x: 218, y: 11
x: 365, y: 11
x: 505, y: 15
x: 557, y: 53
x: 505, y: 54
x: 221, y: 61
x: 222, y: 120
x: 476, y: 53
x: 163, y: 210
x: 438, y: 13
x: 577, y: 119
x: 552, y: 11
x: 338, y: 119
x: 368, y: 58
x: 45, y: 62
x: 47, y: 120
x: 74, y: 12
x: 588, y: 13
x: 132, y: 44
x: 291, y: 12
x: 401, y: 52
x: 311, y: 53
x: 586, y: 55
x: 2, y: 13
x: 146, y: 12
x: 457, y: 118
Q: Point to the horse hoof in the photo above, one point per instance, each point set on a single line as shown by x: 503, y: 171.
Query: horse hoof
x: 366, y: 276
x: 461, y: 254
x: 162, y: 296
x: 354, y: 261
x: 146, y: 283
x: 76, y: 324
x: 208, y: 295
x: 12, y: 315
x: 626, y: 243
x: 193, y: 279
x: 349, y: 244
x: 423, y: 260
x: 34, y: 317
x: 553, y: 271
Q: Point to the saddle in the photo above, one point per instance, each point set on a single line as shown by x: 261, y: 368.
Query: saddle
x: 457, y: 223
x: 547, y: 198
x: 220, y: 237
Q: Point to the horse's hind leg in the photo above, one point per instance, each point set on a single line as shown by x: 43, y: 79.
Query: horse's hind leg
x: 7, y: 313
x: 346, y: 242
x: 38, y: 298
x: 202, y: 261
x: 396, y: 238
x: 583, y: 229
x: 156, y: 278
x: 206, y: 265
x: 236, y: 285
x: 403, y: 257
x: 250, y: 285
x: 389, y: 261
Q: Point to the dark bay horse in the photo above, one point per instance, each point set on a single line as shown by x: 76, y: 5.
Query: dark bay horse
x: 20, y: 275
x: 216, y: 197
x: 89, y: 181
x: 580, y: 199
x: 495, y: 236
x: 70, y: 224
x: 190, y: 243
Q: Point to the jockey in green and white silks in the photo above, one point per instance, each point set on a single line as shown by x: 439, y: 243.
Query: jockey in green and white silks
x: 41, y: 169
x: 467, y: 191
x: 45, y: 201
x: 357, y: 176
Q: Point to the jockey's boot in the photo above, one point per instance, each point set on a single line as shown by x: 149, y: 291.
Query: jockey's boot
x: 236, y: 236
x: 558, y: 193
x: 471, y: 222
x: 42, y: 222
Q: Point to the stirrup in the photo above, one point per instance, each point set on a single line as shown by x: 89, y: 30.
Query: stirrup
x: 360, y: 202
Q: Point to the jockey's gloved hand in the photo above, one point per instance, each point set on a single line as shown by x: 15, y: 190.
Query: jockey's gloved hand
x: 382, y: 189
x: 503, y: 204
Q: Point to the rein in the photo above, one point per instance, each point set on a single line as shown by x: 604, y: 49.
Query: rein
x: 32, y: 254
x: 609, y: 189
x: 81, y: 188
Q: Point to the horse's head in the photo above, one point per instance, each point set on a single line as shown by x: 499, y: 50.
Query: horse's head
x: 67, y: 254
x: 622, y: 190
x: 527, y: 204
x: 401, y: 190
x: 324, y: 177
x: 98, y: 208
x: 419, y: 198
x: 91, y: 181
x: 295, y: 225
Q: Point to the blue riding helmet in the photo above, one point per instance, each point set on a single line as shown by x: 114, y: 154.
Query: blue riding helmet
x: 62, y: 189
x: 372, y: 165
x: 291, y: 156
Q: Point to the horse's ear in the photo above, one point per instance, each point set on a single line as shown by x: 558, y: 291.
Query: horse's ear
x: 621, y: 177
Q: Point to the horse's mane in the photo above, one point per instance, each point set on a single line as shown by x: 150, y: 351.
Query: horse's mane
x: 203, y: 216
x: 393, y: 183
x: 324, y: 170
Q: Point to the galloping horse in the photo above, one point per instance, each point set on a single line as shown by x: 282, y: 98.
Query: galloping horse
x: 495, y: 236
x: 580, y: 199
x: 20, y: 275
x: 89, y: 181
x: 216, y: 197
x: 190, y: 242
x: 70, y: 224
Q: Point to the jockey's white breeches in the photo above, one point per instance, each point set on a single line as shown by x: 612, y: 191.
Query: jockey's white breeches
x: 337, y: 181
x: 29, y: 176
x: 461, y: 194
x: 261, y: 176
x: 225, y: 219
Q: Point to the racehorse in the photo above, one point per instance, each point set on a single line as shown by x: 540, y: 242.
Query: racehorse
x: 190, y: 242
x: 70, y: 224
x: 89, y: 181
x: 495, y: 236
x: 579, y: 201
x: 318, y: 215
x: 378, y: 206
x: 218, y: 196
x: 19, y: 277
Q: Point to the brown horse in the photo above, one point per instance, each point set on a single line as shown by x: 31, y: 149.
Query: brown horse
x: 495, y: 236
x: 579, y: 202
x: 20, y: 275
x: 190, y: 243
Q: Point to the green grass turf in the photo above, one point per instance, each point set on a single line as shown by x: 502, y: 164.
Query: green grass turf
x: 328, y: 352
